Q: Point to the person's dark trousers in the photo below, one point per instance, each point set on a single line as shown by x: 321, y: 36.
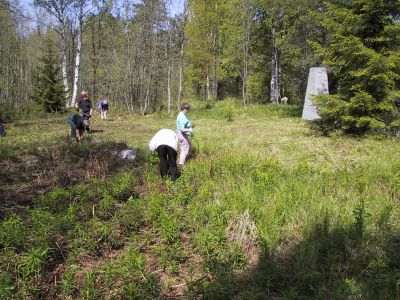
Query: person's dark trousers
x: 2, y: 130
x: 73, y: 127
x: 167, y: 157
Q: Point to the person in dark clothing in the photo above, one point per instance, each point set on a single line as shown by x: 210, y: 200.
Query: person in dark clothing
x: 165, y: 142
x: 2, y: 130
x: 167, y: 157
x: 84, y: 105
x: 78, y: 125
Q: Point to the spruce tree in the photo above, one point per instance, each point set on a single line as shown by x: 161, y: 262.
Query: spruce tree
x: 362, y: 54
x: 48, y: 90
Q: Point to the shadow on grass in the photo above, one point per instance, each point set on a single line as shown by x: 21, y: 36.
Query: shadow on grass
x: 25, y: 177
x: 329, y: 263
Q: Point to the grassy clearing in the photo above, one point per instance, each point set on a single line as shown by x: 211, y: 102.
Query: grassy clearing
x: 264, y: 210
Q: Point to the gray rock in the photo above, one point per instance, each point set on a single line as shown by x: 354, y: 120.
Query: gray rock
x: 317, y: 85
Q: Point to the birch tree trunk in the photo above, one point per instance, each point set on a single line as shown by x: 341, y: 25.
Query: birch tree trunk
x: 246, y: 44
x: 180, y: 89
x: 181, y: 56
x: 59, y: 9
x: 169, y: 70
x: 215, y: 64
x: 245, y: 74
x: 94, y: 62
x: 274, y: 85
x: 64, y: 63
x: 77, y: 62
x: 208, y: 86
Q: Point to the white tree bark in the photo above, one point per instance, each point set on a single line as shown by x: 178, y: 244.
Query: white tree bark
x: 169, y: 104
x: 77, y: 64
x: 59, y: 10
x: 245, y: 74
x: 64, y: 63
x: 180, y: 89
x: 81, y: 14
x: 181, y: 57
x: 169, y: 70
x: 208, y: 86
x: 245, y: 46
x: 274, y: 85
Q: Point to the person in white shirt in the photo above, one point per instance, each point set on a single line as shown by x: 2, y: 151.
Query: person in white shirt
x: 165, y: 142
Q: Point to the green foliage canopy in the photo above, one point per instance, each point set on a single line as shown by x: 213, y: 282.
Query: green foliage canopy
x: 362, y: 53
x: 49, y: 91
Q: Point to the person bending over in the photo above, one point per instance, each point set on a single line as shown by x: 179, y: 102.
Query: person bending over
x: 78, y: 125
x: 165, y: 142
x: 104, y: 108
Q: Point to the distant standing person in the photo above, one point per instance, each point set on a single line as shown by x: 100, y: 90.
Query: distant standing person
x: 104, y: 108
x: 2, y: 130
x: 184, y: 131
x: 165, y: 142
x: 78, y: 125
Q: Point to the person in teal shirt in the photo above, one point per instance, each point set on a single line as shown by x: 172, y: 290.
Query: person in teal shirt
x: 184, y: 131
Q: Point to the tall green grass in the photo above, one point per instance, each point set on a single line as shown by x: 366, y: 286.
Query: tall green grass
x: 263, y: 209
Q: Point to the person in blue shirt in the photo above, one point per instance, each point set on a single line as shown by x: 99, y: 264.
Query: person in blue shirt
x: 184, y: 131
x: 78, y: 125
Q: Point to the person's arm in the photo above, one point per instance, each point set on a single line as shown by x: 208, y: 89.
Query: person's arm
x: 90, y: 112
x: 183, y: 129
x: 187, y: 127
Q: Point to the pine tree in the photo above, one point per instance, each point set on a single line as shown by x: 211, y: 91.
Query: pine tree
x: 362, y: 52
x: 49, y: 90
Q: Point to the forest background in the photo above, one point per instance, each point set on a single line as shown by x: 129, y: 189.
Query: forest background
x: 149, y: 55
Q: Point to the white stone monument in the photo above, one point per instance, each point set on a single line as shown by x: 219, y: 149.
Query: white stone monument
x: 317, y: 85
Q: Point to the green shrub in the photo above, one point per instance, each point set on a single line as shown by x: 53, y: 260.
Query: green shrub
x: 13, y: 233
x: 33, y: 262
x: 7, y: 286
x: 130, y: 215
x: 107, y: 207
x: 57, y: 200
x: 43, y: 227
x: 68, y: 284
x: 88, y: 289
x: 171, y: 256
x: 123, y: 186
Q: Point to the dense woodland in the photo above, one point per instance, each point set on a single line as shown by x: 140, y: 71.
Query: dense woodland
x: 144, y: 56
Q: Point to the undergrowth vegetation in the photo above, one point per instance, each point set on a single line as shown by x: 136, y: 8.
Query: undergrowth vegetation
x: 263, y: 210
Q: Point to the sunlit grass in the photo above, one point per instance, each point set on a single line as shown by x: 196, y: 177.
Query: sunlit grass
x: 259, y: 190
